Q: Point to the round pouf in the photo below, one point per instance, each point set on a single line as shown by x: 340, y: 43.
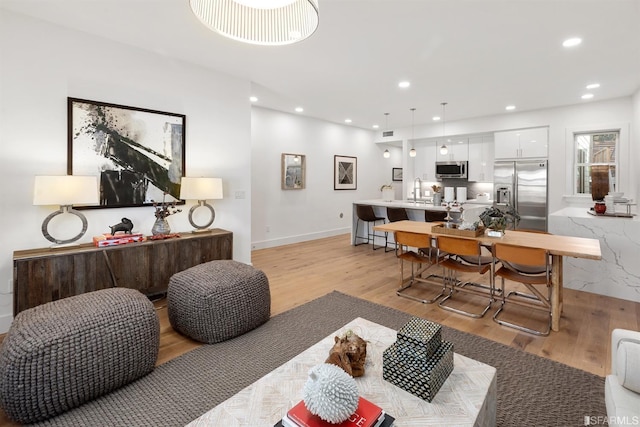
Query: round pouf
x: 218, y: 300
x: 61, y: 354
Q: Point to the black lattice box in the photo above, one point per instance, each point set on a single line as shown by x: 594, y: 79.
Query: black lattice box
x: 421, y: 336
x: 420, y: 376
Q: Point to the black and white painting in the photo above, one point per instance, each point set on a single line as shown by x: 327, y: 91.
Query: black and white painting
x: 137, y: 154
x: 345, y: 173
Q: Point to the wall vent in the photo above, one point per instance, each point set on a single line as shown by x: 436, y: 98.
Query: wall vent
x: 387, y: 133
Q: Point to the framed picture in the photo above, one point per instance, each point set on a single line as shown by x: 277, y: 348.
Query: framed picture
x: 396, y: 174
x: 293, y: 171
x: 345, y: 173
x: 137, y: 154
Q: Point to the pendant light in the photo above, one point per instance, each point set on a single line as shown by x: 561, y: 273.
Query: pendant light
x: 262, y: 22
x: 443, y: 149
x: 412, y: 152
x: 386, y: 153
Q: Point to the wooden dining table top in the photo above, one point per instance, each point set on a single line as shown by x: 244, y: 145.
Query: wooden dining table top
x: 577, y: 247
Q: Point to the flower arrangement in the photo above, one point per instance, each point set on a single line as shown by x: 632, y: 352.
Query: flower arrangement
x: 497, y: 219
x: 165, y: 209
x: 436, y: 188
x: 386, y: 187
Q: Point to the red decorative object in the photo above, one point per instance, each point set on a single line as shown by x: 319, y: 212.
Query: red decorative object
x: 600, y: 208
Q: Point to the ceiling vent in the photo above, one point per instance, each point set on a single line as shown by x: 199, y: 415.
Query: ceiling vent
x: 387, y: 133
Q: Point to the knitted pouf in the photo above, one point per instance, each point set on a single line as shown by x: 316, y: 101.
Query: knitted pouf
x: 59, y: 355
x: 218, y: 300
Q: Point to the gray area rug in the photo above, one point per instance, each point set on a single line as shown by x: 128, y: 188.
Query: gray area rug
x: 532, y: 391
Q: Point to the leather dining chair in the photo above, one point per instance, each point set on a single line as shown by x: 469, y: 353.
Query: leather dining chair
x: 396, y: 214
x: 433, y: 216
x: 425, y: 256
x: 366, y: 214
x: 529, y: 267
x: 459, y: 252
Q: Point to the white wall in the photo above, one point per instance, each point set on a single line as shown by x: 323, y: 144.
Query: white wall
x: 43, y: 64
x: 635, y: 144
x: 314, y: 212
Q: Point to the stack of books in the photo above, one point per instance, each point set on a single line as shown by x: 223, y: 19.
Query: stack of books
x: 368, y: 414
x: 105, y: 240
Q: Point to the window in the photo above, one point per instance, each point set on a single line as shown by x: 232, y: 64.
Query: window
x: 596, y: 163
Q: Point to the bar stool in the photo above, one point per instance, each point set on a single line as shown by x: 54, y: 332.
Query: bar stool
x: 529, y: 267
x: 457, y: 248
x: 396, y: 214
x: 433, y: 216
x: 425, y: 257
x: 366, y: 214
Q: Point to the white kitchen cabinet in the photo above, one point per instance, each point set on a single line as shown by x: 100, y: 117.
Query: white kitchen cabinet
x: 458, y: 150
x: 481, y: 154
x: 425, y: 161
x: 523, y: 143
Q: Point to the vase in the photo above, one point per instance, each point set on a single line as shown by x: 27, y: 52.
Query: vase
x: 437, y: 199
x: 161, y: 226
x: 388, y: 195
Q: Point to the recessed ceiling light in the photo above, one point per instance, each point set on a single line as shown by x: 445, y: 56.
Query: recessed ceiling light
x: 510, y: 107
x: 404, y: 84
x: 375, y: 126
x: 574, y: 41
x: 593, y: 86
x: 435, y: 118
x: 253, y: 98
x: 347, y: 120
x: 299, y: 109
x: 587, y: 96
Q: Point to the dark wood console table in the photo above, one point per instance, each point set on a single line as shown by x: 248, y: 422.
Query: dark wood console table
x: 49, y: 274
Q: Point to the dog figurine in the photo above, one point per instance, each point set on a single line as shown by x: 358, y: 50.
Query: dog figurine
x: 349, y: 352
x: 126, y: 225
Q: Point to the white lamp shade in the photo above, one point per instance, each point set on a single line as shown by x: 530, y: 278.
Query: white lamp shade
x: 275, y: 22
x: 66, y: 190
x: 200, y: 188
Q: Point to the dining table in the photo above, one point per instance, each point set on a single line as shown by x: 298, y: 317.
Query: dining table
x: 558, y: 247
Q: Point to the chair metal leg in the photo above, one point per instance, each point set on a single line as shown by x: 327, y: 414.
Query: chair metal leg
x: 416, y: 280
x: 455, y: 286
x: 519, y: 326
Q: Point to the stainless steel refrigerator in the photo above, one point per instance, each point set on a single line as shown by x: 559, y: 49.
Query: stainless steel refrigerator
x: 523, y: 185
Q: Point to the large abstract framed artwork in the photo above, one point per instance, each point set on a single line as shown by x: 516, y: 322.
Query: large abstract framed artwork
x: 137, y: 154
x: 345, y: 173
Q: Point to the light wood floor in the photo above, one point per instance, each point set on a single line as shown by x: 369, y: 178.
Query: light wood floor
x: 301, y: 272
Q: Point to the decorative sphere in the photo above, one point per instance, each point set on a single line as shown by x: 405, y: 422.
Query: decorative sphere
x: 331, y: 393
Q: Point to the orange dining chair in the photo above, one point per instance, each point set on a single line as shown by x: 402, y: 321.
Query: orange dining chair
x: 529, y: 267
x: 425, y: 256
x: 457, y: 250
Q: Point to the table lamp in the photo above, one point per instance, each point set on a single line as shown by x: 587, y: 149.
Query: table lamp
x: 65, y: 191
x: 201, y: 189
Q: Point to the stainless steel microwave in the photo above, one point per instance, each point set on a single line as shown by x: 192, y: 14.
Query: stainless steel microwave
x: 451, y: 170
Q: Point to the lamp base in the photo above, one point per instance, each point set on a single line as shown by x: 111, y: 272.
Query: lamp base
x: 205, y: 227
x: 57, y: 242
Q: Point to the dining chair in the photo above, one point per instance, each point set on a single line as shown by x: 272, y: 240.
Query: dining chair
x: 457, y: 250
x: 425, y: 256
x: 530, y: 267
x: 432, y: 216
x: 366, y: 214
x: 396, y: 214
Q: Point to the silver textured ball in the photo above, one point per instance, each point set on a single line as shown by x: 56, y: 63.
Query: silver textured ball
x: 330, y: 393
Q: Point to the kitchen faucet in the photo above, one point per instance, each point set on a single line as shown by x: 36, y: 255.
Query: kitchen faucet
x: 417, y: 186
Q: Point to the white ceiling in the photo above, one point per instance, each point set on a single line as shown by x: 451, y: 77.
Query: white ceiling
x: 477, y: 55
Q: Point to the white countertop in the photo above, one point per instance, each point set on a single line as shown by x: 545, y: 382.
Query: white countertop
x: 580, y: 212
x: 407, y: 204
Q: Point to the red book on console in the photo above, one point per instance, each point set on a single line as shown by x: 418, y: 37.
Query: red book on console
x: 368, y: 414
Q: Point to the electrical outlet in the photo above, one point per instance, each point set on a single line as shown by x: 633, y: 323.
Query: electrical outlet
x: 341, y: 215
x: 240, y: 195
x: 268, y: 229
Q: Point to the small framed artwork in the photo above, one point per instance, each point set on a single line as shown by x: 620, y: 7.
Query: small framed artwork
x: 137, y: 154
x: 396, y: 174
x: 345, y: 173
x: 293, y: 171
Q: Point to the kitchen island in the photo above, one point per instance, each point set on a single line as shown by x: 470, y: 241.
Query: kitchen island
x: 617, y: 274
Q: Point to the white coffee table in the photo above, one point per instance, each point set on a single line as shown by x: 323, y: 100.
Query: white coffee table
x: 467, y: 398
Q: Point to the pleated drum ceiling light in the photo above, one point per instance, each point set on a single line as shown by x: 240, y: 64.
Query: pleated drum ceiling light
x: 263, y: 22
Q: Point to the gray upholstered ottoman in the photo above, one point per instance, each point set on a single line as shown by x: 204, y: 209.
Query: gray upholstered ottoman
x: 218, y: 300
x: 59, y: 355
